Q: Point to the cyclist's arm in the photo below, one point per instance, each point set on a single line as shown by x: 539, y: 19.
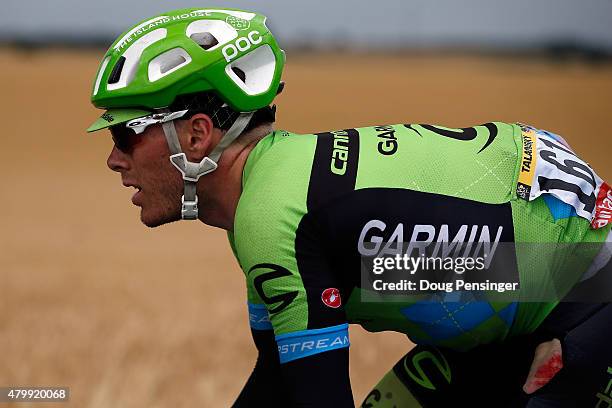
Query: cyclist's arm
x: 283, y: 254
x: 321, y: 380
x: 262, y: 387
x: 317, y: 381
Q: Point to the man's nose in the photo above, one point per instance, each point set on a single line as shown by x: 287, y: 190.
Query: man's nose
x: 116, y: 160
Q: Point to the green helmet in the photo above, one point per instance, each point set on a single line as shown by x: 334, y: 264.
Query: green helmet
x: 191, y: 51
x: 230, y: 52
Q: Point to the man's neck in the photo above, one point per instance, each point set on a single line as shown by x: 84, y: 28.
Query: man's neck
x: 219, y: 191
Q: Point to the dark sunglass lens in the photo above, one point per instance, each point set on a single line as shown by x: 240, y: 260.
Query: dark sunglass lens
x: 122, y: 137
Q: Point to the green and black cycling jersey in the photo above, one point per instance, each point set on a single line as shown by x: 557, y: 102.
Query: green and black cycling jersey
x: 312, y: 205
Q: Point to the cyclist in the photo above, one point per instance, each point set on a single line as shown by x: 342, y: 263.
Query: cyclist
x: 302, y: 211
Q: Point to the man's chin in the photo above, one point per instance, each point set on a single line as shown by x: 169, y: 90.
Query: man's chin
x: 156, y: 220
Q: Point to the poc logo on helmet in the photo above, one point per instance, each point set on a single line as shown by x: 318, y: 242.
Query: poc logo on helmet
x: 230, y: 51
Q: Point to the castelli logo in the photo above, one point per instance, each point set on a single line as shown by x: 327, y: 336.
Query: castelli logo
x: 603, y: 207
x: 331, y: 297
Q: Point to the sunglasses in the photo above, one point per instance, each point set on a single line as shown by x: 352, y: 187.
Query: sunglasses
x: 127, y: 136
x: 125, y: 139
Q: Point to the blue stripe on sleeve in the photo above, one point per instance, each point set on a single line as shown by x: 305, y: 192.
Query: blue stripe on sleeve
x: 258, y: 317
x: 296, y: 345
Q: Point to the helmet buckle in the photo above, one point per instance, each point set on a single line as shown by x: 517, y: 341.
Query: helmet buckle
x: 189, y: 209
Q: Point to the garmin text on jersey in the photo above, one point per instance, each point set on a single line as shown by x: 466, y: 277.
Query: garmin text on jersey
x: 377, y: 239
x: 387, y: 144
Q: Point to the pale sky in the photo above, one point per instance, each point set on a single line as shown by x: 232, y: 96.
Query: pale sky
x: 395, y: 22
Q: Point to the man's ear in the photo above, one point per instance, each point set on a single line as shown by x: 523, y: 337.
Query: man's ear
x: 199, y: 134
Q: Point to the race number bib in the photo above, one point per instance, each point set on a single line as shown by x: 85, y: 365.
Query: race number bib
x: 549, y: 166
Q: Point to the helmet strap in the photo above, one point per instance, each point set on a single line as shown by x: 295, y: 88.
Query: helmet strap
x: 191, y: 171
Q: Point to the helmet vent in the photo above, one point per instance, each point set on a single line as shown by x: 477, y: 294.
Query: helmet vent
x: 253, y: 72
x: 205, y: 40
x: 211, y: 34
x: 116, y: 73
x: 239, y: 73
x: 126, y: 68
x: 171, y: 63
x: 168, y: 62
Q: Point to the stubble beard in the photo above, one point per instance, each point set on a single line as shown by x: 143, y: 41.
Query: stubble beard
x: 164, y: 206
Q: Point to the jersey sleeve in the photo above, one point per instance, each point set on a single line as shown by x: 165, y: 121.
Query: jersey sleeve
x: 291, y: 287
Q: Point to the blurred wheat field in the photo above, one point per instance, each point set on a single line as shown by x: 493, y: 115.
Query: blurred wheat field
x: 133, y: 317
